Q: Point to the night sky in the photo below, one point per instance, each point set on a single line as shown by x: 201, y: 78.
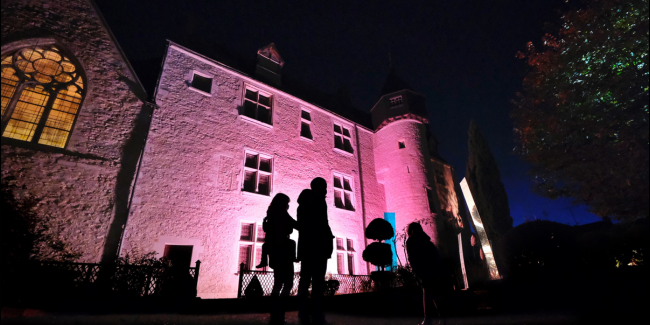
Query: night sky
x: 459, y: 54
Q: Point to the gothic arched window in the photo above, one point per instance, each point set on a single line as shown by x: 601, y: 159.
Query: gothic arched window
x: 42, y: 90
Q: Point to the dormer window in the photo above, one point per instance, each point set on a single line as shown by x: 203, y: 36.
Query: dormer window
x: 396, y: 101
x: 202, y: 83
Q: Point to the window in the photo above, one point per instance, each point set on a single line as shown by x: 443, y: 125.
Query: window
x: 430, y: 198
x: 350, y: 245
x: 42, y: 90
x: 257, y: 105
x: 350, y: 263
x: 440, y: 177
x: 395, y: 101
x: 257, y: 173
x: 305, y: 125
x: 343, y: 194
x: 202, y: 83
x: 401, y: 144
x: 340, y: 263
x: 342, y: 138
x: 179, y: 255
x: 250, y: 245
x: 339, y: 244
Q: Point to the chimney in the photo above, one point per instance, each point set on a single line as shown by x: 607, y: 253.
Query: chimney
x: 269, y: 65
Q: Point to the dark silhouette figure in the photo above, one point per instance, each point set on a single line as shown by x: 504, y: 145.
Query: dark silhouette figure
x: 426, y: 261
x: 315, y: 246
x: 281, y: 252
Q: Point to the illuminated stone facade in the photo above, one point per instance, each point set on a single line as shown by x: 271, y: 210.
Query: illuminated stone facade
x: 219, y: 145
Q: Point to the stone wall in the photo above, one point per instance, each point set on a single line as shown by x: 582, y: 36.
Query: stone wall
x: 189, y: 188
x: 82, y: 188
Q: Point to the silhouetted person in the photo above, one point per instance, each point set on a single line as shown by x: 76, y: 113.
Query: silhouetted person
x: 315, y: 246
x: 426, y: 261
x: 281, y: 251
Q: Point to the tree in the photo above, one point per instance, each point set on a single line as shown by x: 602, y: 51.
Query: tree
x: 484, y: 180
x: 379, y: 253
x: 582, y: 118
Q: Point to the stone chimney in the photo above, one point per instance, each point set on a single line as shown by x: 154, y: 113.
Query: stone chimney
x: 269, y: 65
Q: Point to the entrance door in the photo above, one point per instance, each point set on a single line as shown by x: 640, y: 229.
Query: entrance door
x: 179, y: 255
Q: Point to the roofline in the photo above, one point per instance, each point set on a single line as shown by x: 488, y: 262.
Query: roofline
x: 395, y: 92
x: 215, y: 63
x: 118, y: 47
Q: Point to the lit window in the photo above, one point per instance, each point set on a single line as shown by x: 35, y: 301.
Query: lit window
x: 202, y: 83
x: 257, y: 173
x: 305, y: 125
x: 396, y: 101
x: 42, y: 90
x: 342, y: 138
x: 257, y: 105
x: 343, y: 194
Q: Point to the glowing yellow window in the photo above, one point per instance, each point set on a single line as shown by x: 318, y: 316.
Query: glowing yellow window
x: 42, y: 90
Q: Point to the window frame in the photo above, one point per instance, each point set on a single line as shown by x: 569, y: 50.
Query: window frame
x: 345, y: 253
x: 343, y: 191
x: 258, y: 173
x: 254, y: 244
x: 259, y: 91
x: 343, y: 127
x: 308, y: 122
x: 52, y: 89
x: 205, y: 75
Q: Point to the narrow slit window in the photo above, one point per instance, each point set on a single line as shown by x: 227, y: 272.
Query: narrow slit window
x: 202, y: 83
x: 401, y: 144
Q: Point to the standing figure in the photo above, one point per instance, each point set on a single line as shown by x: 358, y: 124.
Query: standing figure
x: 315, y: 246
x: 281, y: 252
x: 426, y: 261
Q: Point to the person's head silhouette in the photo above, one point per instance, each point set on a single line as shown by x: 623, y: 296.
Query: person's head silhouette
x: 415, y: 228
x: 279, y: 203
x: 319, y: 186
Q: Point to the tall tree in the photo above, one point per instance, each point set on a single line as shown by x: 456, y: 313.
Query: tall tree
x: 582, y: 118
x: 484, y: 180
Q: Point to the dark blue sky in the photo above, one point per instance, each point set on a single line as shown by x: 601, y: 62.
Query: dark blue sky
x: 459, y: 54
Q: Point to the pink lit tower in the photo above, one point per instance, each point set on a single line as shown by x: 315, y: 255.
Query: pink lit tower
x: 404, y: 149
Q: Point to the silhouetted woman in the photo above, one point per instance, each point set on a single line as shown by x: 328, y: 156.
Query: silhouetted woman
x: 281, y: 250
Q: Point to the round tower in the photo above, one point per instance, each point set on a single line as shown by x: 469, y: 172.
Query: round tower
x: 403, y: 158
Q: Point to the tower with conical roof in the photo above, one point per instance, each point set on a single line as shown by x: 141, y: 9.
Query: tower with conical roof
x: 403, y: 155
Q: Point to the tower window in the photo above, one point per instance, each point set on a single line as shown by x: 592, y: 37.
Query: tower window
x: 257, y: 105
x: 342, y: 138
x: 396, y: 101
x: 202, y: 83
x: 305, y: 125
x: 401, y: 144
x: 42, y: 90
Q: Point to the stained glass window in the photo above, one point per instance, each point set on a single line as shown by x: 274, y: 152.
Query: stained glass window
x: 42, y: 90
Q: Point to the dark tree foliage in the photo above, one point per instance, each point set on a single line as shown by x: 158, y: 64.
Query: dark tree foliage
x: 380, y: 229
x: 379, y: 254
x: 484, y: 180
x: 582, y: 118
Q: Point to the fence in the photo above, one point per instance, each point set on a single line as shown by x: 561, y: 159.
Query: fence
x: 134, y: 280
x: 260, y: 283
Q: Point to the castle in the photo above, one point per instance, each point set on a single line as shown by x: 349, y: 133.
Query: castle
x: 189, y: 175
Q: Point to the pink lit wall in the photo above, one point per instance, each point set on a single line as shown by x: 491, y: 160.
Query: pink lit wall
x: 189, y: 187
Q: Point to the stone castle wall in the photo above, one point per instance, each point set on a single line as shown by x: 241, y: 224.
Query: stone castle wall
x: 75, y: 188
x: 189, y: 188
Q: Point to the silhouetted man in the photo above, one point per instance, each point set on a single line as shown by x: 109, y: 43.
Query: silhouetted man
x: 315, y: 246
